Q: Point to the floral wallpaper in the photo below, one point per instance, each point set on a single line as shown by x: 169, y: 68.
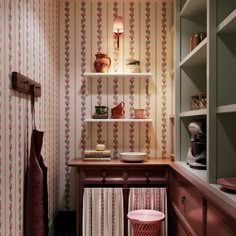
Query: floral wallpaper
x: 87, y: 29
x: 29, y: 45
x: 54, y: 43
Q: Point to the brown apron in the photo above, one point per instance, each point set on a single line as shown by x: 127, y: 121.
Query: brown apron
x: 36, y: 188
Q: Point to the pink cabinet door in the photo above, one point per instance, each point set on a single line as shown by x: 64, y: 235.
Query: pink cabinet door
x: 189, y: 203
x: 177, y: 228
x: 217, y: 223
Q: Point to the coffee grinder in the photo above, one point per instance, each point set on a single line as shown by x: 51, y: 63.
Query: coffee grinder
x: 196, y: 156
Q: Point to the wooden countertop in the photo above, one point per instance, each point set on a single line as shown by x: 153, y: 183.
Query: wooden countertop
x: 79, y: 162
x: 199, y: 182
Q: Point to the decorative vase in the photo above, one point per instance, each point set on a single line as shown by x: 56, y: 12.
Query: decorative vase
x: 102, y: 63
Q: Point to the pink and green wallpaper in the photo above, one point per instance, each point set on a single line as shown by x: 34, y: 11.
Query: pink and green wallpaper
x: 29, y: 45
x: 87, y: 29
x: 55, y: 42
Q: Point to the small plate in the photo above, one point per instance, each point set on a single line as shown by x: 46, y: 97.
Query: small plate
x: 228, y: 183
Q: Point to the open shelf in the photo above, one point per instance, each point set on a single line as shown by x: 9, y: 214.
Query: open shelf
x: 228, y: 25
x: 197, y: 56
x: 191, y: 71
x: 209, y: 68
x: 118, y: 120
x: 199, y: 112
x: 193, y: 7
x: 226, y: 108
x: 115, y: 74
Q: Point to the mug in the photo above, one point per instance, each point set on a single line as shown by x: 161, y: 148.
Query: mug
x: 101, y: 109
x: 139, y: 113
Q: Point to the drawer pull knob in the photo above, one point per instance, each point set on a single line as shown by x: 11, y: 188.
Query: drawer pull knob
x: 104, y: 174
x: 183, y: 199
x: 147, y: 177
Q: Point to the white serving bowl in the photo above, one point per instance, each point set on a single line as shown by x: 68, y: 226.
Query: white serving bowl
x: 133, y: 156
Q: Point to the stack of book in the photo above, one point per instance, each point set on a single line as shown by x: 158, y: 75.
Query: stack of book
x: 97, y: 155
x: 100, y: 116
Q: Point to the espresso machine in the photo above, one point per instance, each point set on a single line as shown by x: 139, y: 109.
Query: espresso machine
x: 196, y: 156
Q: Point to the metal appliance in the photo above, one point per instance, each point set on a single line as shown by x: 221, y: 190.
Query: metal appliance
x: 196, y: 156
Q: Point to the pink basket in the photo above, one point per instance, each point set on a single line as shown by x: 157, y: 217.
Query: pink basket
x: 146, y: 222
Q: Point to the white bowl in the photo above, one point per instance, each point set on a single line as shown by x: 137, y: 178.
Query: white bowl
x: 133, y: 156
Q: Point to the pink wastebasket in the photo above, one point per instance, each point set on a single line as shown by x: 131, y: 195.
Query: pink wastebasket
x: 146, y: 222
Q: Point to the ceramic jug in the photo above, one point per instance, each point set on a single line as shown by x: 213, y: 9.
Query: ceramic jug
x: 102, y: 63
x: 118, y: 111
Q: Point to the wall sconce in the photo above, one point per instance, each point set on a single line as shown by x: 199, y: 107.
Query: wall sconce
x: 118, y: 28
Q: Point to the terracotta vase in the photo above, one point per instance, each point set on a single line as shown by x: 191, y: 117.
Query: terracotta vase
x: 102, y: 63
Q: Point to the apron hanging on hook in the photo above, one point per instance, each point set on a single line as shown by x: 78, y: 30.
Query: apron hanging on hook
x: 36, y: 192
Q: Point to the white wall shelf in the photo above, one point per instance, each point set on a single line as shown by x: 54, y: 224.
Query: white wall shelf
x: 193, y: 8
x: 197, y: 56
x: 142, y: 79
x: 118, y: 120
x: 120, y: 75
x: 228, y: 25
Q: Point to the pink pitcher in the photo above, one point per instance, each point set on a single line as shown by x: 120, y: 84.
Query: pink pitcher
x: 118, y: 111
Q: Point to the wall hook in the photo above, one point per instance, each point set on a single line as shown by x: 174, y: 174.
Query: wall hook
x: 25, y: 85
